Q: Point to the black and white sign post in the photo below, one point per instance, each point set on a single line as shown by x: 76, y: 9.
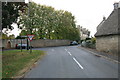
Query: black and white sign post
x: 30, y: 37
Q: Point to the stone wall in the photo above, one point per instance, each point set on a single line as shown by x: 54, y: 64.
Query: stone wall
x: 108, y: 44
x: 13, y: 42
x: 35, y: 43
x: 46, y: 43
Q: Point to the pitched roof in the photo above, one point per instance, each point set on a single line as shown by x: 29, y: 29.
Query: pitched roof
x: 110, y: 25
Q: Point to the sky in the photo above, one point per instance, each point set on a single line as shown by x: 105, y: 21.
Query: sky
x: 88, y: 13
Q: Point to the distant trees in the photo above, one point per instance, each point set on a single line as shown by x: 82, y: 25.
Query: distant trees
x: 5, y: 36
x: 46, y: 22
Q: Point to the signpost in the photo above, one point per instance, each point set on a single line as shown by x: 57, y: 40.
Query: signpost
x: 30, y: 37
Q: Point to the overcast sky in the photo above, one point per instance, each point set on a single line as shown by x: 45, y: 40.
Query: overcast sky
x: 88, y: 13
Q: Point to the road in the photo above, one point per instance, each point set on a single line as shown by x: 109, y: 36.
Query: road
x: 72, y: 62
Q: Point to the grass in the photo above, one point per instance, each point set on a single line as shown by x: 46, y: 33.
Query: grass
x: 14, y: 62
x: 0, y: 64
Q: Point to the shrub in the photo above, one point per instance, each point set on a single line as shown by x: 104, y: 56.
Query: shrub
x: 90, y: 43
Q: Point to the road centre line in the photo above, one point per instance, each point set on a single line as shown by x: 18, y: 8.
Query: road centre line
x: 66, y: 49
x: 70, y: 54
x: 75, y: 60
x: 78, y: 63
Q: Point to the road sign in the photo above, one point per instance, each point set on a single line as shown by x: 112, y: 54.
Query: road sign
x: 30, y: 37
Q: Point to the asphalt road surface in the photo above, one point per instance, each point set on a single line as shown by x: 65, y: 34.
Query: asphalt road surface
x: 72, y: 62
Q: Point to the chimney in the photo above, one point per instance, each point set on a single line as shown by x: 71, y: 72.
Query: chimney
x: 104, y: 18
x: 116, y: 5
x: 119, y: 4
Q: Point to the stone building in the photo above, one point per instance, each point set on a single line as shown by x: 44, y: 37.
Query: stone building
x: 84, y: 33
x: 108, y: 32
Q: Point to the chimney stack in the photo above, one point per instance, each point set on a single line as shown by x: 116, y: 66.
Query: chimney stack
x: 116, y: 5
x: 119, y: 4
x: 104, y: 18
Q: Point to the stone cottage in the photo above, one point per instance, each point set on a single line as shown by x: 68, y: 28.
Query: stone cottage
x: 108, y: 32
x: 84, y: 33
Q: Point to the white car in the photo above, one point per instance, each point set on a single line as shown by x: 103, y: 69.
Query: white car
x: 24, y: 46
x: 73, y: 43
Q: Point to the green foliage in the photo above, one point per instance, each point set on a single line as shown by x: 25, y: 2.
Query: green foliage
x: 93, y: 40
x: 19, y: 37
x: 5, y: 36
x: 12, y: 36
x: 10, y: 13
x: 89, y: 42
x: 23, y: 32
x: 46, y: 22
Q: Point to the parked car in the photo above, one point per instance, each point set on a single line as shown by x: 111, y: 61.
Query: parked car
x: 24, y: 46
x: 74, y: 43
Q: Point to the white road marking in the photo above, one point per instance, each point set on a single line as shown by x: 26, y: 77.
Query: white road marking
x: 78, y: 63
x: 74, y: 59
x: 70, y: 54
x: 66, y: 49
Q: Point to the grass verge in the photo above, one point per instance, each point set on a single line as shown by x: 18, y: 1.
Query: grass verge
x: 0, y: 70
x: 15, y: 62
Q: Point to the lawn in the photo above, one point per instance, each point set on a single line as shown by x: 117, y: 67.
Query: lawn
x: 0, y: 64
x: 15, y: 62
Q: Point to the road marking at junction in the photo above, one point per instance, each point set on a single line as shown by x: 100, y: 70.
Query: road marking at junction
x: 78, y: 63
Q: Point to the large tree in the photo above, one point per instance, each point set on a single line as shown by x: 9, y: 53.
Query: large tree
x: 10, y: 13
x: 46, y: 22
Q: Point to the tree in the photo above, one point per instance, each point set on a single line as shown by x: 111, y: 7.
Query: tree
x: 93, y: 39
x: 10, y: 13
x: 12, y: 36
x: 46, y: 22
x: 23, y: 32
x: 5, y: 36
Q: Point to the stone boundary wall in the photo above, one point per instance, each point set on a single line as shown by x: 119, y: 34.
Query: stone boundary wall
x: 108, y: 44
x: 8, y: 44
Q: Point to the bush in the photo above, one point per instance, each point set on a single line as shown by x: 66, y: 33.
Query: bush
x: 93, y: 40
x: 90, y: 43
